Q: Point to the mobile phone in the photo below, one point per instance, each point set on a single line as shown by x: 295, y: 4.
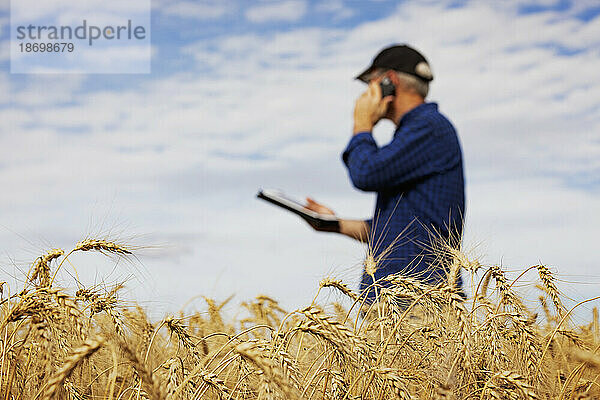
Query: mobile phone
x: 387, y: 87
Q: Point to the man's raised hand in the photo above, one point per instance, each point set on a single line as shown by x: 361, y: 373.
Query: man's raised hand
x: 370, y: 108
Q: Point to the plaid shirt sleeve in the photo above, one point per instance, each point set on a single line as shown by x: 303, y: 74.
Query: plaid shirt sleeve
x: 413, y: 154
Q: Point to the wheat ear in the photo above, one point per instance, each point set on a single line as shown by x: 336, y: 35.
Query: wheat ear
x: 249, y: 353
x: 89, y: 347
x: 41, y: 268
x: 102, y: 246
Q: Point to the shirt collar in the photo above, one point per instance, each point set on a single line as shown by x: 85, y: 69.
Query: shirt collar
x: 418, y: 110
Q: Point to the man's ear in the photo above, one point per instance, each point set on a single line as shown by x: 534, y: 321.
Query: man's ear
x: 395, y: 80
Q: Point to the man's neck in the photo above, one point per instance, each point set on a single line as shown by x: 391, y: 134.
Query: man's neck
x: 404, y: 104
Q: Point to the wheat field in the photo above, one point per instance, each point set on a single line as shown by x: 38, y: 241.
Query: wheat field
x: 416, y: 342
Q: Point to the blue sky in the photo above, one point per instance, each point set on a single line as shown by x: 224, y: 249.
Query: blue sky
x: 245, y: 95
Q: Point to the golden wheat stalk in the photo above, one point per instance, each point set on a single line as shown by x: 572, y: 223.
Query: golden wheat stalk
x: 73, y: 360
x: 148, y: 380
x: 41, y: 268
x: 274, y: 375
x: 503, y: 385
x: 102, y: 246
x: 339, y: 285
x: 339, y: 335
x: 550, y: 288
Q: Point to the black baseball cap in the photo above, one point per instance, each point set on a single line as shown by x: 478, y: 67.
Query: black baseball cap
x: 401, y: 58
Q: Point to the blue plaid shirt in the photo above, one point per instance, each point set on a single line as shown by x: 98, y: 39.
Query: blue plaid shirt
x: 419, y: 182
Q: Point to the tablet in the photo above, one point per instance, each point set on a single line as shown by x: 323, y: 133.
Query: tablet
x: 319, y: 221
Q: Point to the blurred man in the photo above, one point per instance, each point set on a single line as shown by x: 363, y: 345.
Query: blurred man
x: 418, y: 176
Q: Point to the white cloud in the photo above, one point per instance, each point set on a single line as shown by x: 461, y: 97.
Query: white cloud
x: 337, y: 8
x: 127, y: 59
x: 288, y: 10
x: 31, y: 10
x: 197, y: 10
x: 55, y: 93
x: 4, y: 50
x: 4, y: 21
x: 542, y: 3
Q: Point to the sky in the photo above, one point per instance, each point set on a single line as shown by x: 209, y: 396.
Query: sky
x: 245, y: 95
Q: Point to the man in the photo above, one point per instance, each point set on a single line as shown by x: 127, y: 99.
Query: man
x: 418, y: 176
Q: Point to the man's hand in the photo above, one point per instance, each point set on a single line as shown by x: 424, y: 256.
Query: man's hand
x: 318, y: 207
x: 356, y: 229
x: 321, y: 209
x: 370, y: 108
